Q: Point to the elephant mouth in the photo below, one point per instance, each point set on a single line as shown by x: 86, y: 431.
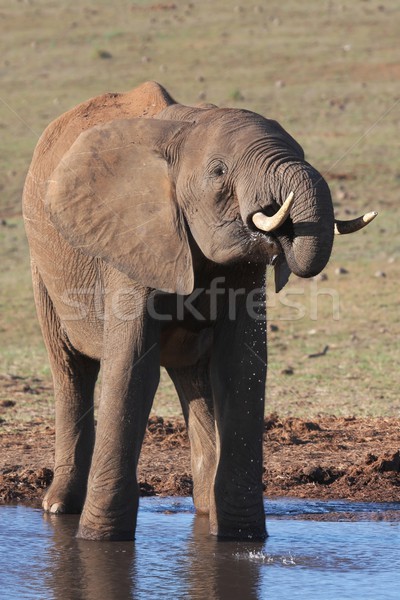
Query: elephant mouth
x: 265, y: 247
x: 260, y: 222
x: 268, y: 224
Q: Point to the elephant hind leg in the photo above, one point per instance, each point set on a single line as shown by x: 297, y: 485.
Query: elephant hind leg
x: 193, y: 387
x: 74, y: 378
x: 74, y: 435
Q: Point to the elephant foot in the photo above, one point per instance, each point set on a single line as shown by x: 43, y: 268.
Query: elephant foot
x: 89, y: 533
x: 105, y: 520
x: 202, y: 510
x: 57, y: 508
x: 201, y: 499
x: 202, y: 503
x: 239, y: 535
x: 225, y: 527
x: 64, y: 497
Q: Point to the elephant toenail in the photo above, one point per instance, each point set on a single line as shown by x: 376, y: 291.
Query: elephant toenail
x: 56, y: 508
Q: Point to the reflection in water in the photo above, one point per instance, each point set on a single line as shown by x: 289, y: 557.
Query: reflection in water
x: 175, y: 557
x: 211, y: 573
x: 181, y: 565
x: 88, y: 570
x: 192, y: 564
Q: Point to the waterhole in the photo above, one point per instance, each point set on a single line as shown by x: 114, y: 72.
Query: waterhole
x: 315, y: 549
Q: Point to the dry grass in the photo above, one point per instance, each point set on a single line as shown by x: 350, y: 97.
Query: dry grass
x: 327, y: 71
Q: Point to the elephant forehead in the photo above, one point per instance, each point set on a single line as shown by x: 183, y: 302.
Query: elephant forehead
x: 239, y: 121
x: 234, y: 131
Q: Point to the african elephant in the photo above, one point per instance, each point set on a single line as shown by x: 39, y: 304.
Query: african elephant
x: 150, y: 226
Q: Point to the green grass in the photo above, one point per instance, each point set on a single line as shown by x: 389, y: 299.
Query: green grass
x: 327, y: 71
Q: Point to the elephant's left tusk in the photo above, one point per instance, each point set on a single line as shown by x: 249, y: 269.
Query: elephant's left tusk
x: 342, y: 227
x: 269, y: 224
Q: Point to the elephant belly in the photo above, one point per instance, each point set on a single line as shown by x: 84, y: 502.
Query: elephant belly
x: 86, y: 338
x: 181, y: 347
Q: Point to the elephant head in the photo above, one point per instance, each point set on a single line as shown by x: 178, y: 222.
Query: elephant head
x: 141, y: 193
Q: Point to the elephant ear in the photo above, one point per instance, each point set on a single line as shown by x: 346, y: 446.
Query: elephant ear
x: 112, y: 197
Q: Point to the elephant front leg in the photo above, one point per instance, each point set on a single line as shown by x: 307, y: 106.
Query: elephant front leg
x: 130, y: 379
x: 238, y: 373
x: 194, y: 391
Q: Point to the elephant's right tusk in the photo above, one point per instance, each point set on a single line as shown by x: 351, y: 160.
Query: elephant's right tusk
x: 269, y: 224
x: 343, y: 227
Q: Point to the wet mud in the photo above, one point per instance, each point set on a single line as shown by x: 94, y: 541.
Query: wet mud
x: 327, y: 458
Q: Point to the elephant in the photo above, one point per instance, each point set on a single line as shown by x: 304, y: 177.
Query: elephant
x: 150, y: 226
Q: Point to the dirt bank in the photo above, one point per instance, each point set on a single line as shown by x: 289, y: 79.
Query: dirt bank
x: 328, y: 457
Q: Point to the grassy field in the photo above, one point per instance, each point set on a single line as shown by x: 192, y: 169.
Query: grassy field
x: 328, y: 71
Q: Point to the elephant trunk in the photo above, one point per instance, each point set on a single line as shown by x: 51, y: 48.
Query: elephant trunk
x: 307, y: 235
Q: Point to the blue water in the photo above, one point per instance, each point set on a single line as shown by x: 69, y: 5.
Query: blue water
x: 175, y: 557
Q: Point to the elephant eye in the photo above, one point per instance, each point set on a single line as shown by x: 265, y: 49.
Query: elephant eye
x: 218, y: 169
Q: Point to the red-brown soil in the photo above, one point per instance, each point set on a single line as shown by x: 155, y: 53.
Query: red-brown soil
x: 329, y: 457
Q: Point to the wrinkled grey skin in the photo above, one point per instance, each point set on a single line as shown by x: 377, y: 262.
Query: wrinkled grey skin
x: 131, y: 199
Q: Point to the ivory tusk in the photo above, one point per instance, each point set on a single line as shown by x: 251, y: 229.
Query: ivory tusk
x: 342, y: 227
x: 269, y: 224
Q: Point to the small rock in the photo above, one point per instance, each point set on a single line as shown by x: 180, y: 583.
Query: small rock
x: 388, y: 462
x: 7, y: 403
x: 380, y: 274
x: 280, y: 83
x: 321, y: 277
x: 104, y: 54
x: 287, y: 371
x: 273, y: 327
x: 341, y: 271
x: 27, y: 389
x: 319, y: 474
x: 202, y: 95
